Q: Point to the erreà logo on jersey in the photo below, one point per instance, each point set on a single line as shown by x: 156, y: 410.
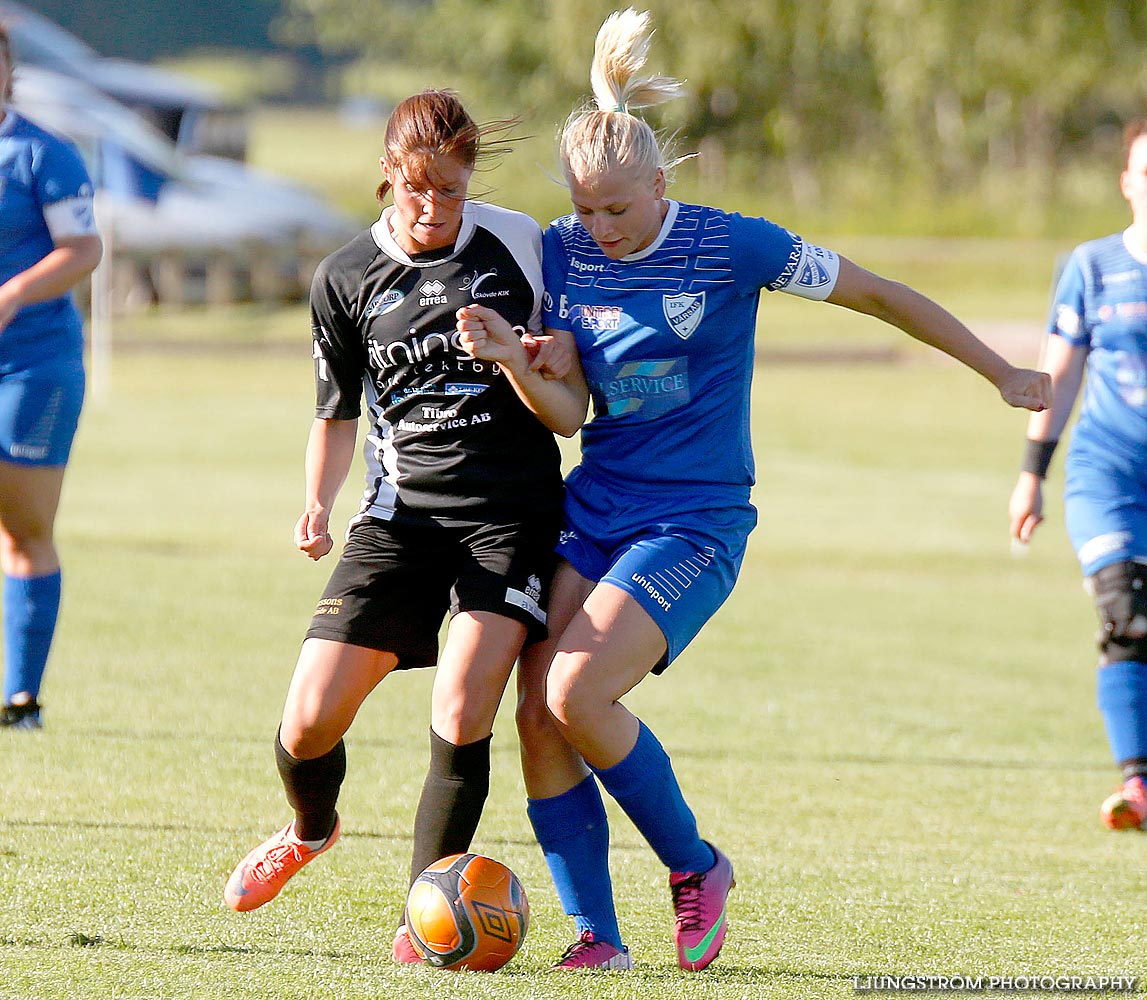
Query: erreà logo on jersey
x: 684, y: 312
x: 380, y: 305
x: 431, y: 292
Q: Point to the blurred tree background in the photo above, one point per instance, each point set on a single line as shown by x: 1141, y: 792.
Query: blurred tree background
x: 972, y: 117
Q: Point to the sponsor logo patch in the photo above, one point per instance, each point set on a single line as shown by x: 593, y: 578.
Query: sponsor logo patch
x: 600, y: 317
x: 473, y: 283
x: 651, y: 387
x: 380, y: 305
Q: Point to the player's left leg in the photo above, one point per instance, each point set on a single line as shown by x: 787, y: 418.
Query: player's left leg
x: 498, y: 598
x: 472, y: 673
x: 1105, y: 509
x: 1120, y: 592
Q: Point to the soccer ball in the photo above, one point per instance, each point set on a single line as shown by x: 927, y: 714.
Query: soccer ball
x: 467, y: 911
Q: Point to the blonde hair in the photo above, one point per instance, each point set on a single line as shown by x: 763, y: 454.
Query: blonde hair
x: 605, y: 135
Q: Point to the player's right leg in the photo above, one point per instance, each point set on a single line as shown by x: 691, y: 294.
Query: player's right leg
x: 39, y: 410
x: 609, y: 647
x: 29, y: 498
x: 330, y: 683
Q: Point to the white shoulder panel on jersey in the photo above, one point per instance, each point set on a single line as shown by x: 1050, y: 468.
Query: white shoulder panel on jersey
x: 815, y: 275
x: 523, y: 237
x: 71, y: 217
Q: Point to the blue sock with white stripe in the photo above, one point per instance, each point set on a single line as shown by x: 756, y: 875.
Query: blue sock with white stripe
x: 31, y: 607
x: 573, y: 832
x: 1122, y: 696
x: 645, y: 786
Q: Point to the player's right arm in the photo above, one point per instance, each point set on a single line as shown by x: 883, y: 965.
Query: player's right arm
x: 560, y: 404
x: 1065, y: 363
x: 330, y: 451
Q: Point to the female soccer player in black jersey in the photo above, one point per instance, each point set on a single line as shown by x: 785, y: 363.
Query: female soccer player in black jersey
x: 463, y: 491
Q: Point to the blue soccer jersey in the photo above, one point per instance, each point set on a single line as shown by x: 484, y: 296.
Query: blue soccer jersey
x: 1101, y: 305
x: 666, y: 338
x: 45, y: 195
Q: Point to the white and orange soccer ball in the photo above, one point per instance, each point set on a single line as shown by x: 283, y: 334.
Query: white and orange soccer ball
x: 467, y: 911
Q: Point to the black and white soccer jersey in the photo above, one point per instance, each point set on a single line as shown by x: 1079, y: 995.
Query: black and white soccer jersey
x: 448, y: 435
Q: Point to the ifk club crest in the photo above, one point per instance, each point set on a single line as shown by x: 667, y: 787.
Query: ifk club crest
x: 684, y: 312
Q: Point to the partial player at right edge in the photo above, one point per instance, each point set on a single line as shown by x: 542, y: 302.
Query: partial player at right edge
x: 1098, y: 326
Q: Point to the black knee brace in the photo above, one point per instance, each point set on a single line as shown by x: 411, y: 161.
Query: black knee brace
x: 1120, y: 592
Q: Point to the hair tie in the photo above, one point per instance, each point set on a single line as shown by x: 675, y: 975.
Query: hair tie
x: 620, y: 109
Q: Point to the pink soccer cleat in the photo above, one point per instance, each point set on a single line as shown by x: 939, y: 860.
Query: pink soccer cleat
x: 699, y: 903
x: 263, y: 872
x: 586, y: 953
x: 1126, y: 809
x: 401, y: 950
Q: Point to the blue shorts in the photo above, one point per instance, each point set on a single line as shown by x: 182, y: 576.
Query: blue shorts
x: 39, y: 410
x: 678, y: 564
x: 1105, y: 508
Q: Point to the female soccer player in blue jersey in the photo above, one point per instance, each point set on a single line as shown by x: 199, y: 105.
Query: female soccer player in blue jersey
x: 48, y: 244
x: 661, y: 298
x: 1098, y: 325
x: 463, y: 492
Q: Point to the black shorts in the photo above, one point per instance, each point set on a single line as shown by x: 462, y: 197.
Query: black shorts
x: 395, y: 582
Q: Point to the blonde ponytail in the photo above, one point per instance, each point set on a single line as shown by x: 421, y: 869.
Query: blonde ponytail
x: 606, y: 135
x: 619, y: 53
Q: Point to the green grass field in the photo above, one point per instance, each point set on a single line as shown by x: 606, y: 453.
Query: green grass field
x: 890, y: 726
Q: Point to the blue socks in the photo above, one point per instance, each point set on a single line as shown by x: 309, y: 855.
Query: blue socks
x: 31, y: 607
x: 573, y: 832
x: 574, y: 836
x: 1122, y: 696
x: 645, y: 786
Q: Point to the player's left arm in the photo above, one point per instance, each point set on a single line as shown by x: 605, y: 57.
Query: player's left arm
x: 930, y: 323
x: 553, y: 353
x: 72, y: 260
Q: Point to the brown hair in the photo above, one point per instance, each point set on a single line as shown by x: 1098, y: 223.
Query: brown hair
x: 434, y: 123
x: 6, y: 55
x: 1131, y: 131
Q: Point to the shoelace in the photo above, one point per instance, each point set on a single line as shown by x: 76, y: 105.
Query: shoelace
x: 687, y: 902
x: 276, y: 860
x: 583, y: 943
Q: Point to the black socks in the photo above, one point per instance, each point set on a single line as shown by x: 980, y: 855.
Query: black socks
x: 312, y: 788
x: 453, y: 795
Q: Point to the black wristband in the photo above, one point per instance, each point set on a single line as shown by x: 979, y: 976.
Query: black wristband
x: 1037, y: 457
